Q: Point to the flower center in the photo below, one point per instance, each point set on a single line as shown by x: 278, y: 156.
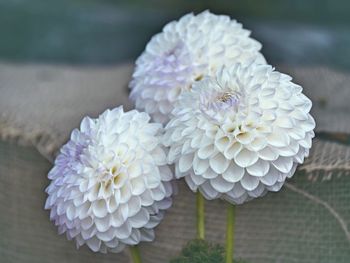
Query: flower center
x: 225, y: 101
x: 171, y: 57
x: 216, y: 104
x: 227, y: 96
x: 109, y: 175
x: 175, y: 66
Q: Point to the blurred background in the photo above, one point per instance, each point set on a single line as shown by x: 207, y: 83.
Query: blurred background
x: 87, y: 32
x: 63, y: 59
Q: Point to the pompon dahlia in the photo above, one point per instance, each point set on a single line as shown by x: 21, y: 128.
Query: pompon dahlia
x: 241, y: 133
x: 184, y: 52
x: 110, y: 183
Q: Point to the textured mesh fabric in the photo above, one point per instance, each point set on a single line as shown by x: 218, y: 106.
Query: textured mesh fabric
x: 307, y: 221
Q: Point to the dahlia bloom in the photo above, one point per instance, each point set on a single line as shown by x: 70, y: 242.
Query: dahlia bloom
x: 110, y: 183
x: 240, y: 133
x: 183, y: 53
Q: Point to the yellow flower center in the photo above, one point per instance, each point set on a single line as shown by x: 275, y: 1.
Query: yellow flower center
x: 225, y: 97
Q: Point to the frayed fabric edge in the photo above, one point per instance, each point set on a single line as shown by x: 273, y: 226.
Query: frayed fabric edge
x: 46, y: 141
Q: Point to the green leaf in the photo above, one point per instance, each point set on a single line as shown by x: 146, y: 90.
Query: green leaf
x: 200, y: 251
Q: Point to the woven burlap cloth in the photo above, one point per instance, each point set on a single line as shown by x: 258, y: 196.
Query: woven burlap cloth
x: 308, y: 221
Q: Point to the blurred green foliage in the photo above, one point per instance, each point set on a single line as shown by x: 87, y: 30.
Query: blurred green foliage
x: 110, y: 31
x: 315, y: 11
x: 201, y: 251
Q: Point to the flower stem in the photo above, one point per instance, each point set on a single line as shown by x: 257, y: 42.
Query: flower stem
x: 200, y: 216
x: 135, y: 254
x: 230, y: 233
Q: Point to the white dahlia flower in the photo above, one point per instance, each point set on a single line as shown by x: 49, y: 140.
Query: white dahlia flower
x: 241, y: 133
x: 110, y: 183
x: 184, y: 52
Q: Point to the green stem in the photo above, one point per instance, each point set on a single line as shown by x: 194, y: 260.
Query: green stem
x: 135, y: 254
x: 200, y: 215
x: 230, y: 232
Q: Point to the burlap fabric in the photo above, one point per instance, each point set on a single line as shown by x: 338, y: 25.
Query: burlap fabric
x: 308, y: 221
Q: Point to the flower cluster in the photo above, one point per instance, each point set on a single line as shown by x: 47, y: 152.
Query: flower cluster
x: 235, y: 129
